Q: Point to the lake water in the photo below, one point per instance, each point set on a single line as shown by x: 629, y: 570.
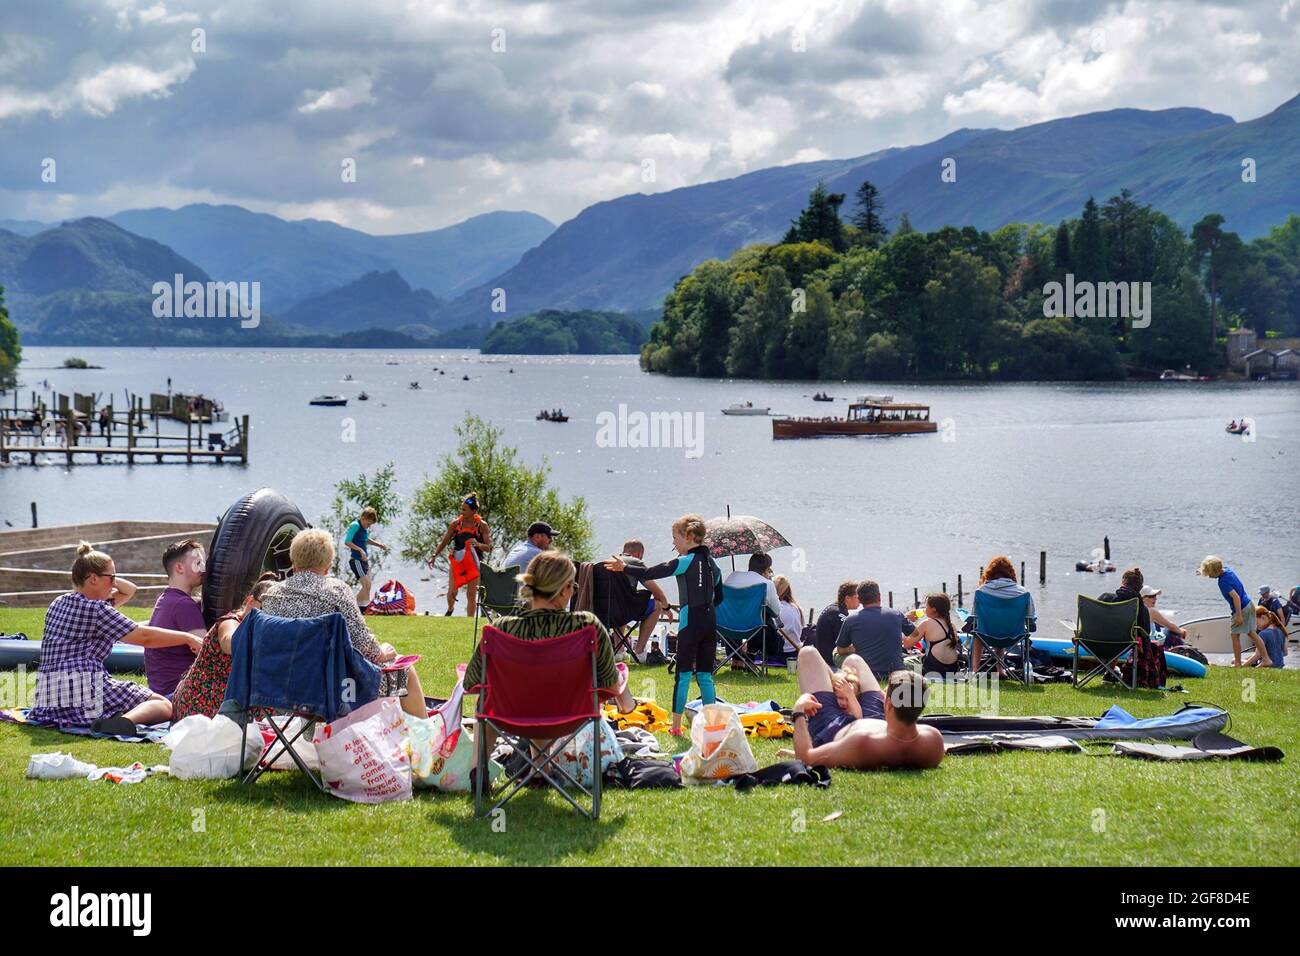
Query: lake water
x: 1019, y: 468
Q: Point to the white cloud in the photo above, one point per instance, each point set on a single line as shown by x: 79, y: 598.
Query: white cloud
x: 353, y: 93
x: 102, y: 92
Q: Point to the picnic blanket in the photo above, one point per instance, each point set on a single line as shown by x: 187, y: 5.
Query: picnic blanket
x: 149, y: 733
x: 647, y: 715
x: 764, y: 718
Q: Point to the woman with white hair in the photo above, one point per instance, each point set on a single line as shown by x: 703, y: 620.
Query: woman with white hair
x: 311, y: 592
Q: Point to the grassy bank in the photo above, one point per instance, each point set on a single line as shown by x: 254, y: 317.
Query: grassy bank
x: 1005, y: 809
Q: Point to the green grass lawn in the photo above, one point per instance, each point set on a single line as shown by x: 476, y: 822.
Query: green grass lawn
x: 1010, y: 809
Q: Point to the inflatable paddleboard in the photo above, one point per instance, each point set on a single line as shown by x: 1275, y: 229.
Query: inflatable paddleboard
x: 123, y: 659
x: 1063, y: 649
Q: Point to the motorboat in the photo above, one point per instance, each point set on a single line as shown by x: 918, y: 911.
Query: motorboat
x: 331, y: 400
x: 745, y: 408
x: 865, y: 417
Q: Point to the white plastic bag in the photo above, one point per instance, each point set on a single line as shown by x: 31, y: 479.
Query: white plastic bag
x: 364, y: 757
x: 208, y: 748
x: 718, y: 746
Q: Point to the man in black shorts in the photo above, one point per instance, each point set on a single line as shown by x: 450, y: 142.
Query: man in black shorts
x: 835, y: 727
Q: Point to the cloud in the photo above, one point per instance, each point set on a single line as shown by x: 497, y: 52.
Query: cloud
x: 442, y: 128
x: 353, y: 93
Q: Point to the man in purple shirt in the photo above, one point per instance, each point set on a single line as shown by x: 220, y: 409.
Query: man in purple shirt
x: 175, y: 609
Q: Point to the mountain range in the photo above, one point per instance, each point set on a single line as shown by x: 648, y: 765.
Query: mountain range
x: 320, y: 278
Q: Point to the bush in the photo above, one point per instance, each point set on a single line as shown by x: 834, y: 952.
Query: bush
x: 75, y: 363
x: 511, y: 497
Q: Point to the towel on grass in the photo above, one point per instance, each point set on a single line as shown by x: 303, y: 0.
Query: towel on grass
x: 149, y: 733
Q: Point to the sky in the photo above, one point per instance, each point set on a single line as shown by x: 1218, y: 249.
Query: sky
x: 451, y: 109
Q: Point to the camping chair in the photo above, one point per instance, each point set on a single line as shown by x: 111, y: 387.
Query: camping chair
x: 1001, y: 625
x: 612, y: 612
x: 541, y: 689
x: 1107, y: 630
x: 280, y: 663
x: 498, y: 591
x: 742, y: 616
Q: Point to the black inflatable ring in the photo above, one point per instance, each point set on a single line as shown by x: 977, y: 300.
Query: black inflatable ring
x: 252, y: 536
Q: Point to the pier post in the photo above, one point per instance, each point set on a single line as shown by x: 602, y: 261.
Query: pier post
x: 1042, y: 567
x: 959, y: 590
x: 916, y: 597
x: 1105, y: 546
x: 69, y: 432
x: 189, y: 450
x: 891, y: 598
x: 243, y: 441
x: 945, y: 587
x: 1022, y: 572
x: 110, y: 424
x: 130, y: 438
x: 33, y: 513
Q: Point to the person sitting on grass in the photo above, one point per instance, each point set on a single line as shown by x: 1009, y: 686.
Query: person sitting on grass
x: 311, y: 592
x: 1243, y: 610
x: 203, y: 687
x: 73, y: 688
x: 875, y: 633
x: 832, y: 616
x: 847, y: 721
x: 943, y: 647
x: 1272, y: 632
x: 357, y: 540
x: 176, y: 610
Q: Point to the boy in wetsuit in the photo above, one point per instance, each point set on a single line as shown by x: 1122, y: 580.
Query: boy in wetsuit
x: 699, y: 584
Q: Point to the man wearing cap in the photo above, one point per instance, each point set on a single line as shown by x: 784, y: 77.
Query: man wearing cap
x: 1273, y: 601
x: 541, y: 537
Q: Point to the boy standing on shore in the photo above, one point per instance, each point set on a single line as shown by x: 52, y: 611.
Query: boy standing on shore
x: 357, y: 540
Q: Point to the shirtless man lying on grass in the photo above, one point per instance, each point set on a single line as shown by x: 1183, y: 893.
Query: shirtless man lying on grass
x: 843, y: 719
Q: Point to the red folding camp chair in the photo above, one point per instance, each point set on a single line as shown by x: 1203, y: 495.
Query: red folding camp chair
x: 539, y: 690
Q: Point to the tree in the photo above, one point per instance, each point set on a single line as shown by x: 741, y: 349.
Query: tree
x: 806, y: 340
x: 882, y: 357
x: 1208, y: 241
x: 351, y: 495
x: 871, y: 227
x: 820, y: 220
x: 10, y: 351
x: 904, y: 225
x: 1061, y: 249
x: 1088, y: 249
x: 511, y: 495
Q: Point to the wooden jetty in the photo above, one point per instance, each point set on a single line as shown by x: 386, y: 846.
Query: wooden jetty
x: 68, y: 430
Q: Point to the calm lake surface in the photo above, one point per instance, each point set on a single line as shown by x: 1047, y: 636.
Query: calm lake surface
x: 1027, y: 467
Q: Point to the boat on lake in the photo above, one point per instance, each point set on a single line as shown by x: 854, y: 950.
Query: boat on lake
x: 745, y: 408
x: 552, y: 416
x: 823, y: 397
x: 869, y: 415
x: 1173, y: 375
x: 363, y: 397
x: 331, y: 400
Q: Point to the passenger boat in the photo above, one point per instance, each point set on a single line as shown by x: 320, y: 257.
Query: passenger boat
x: 329, y: 400
x: 746, y: 408
x: 866, y: 416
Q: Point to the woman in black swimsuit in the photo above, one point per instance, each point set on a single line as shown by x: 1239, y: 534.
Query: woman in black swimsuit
x: 943, y: 648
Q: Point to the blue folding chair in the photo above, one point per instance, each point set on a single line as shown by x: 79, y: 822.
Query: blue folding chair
x: 742, y: 616
x: 1001, y: 625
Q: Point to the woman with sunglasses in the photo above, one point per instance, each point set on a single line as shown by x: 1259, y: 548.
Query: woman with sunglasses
x: 73, y: 688
x: 1174, y: 635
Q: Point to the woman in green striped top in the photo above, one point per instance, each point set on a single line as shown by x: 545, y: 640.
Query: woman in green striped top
x: 547, y: 587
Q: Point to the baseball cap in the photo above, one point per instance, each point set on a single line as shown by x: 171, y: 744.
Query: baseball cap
x: 1149, y: 591
x: 541, y: 527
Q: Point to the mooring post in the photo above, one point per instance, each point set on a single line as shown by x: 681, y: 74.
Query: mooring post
x: 959, y: 590
x: 70, y: 432
x: 1105, y: 545
x: 891, y: 598
x: 189, y: 451
x: 130, y: 438
x: 945, y: 587
x: 243, y: 443
x: 1022, y: 572
x: 916, y: 597
x: 1042, y: 567
x: 33, y: 514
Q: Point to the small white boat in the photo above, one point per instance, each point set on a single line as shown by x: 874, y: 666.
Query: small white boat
x: 1213, y: 635
x: 746, y: 408
x: 331, y: 400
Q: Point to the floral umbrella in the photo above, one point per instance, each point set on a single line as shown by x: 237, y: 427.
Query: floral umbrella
x: 741, y: 534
